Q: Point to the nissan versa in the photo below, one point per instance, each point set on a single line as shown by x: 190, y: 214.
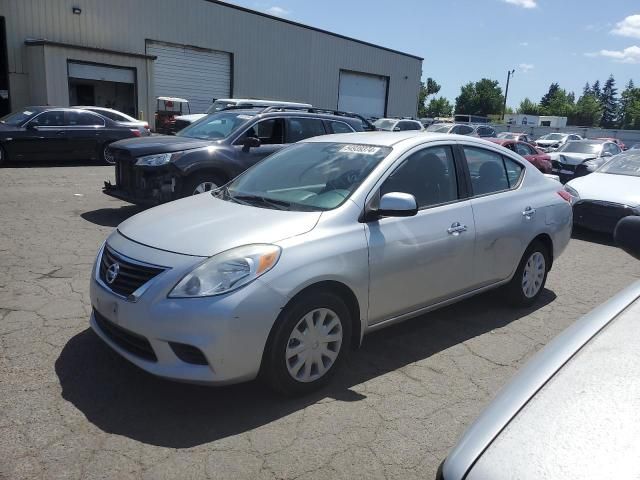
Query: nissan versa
x: 283, y: 270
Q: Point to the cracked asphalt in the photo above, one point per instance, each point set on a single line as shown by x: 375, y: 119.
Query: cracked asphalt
x: 71, y: 408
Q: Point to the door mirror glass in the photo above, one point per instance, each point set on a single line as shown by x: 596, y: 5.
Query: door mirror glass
x: 396, y: 129
x: 626, y: 235
x: 397, y: 204
x: 250, y: 142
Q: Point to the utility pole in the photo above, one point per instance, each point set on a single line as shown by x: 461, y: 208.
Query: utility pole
x: 506, y: 92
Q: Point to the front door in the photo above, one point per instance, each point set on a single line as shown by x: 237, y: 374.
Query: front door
x: 418, y: 261
x: 43, y: 139
x: 271, y: 135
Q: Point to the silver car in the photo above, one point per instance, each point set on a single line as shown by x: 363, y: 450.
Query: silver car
x: 286, y: 268
x: 572, y: 411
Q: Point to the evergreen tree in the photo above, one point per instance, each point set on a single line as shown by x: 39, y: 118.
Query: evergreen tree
x: 626, y: 101
x: 586, y: 90
x: 588, y: 110
x: 609, y: 103
x: 596, y: 89
x: 546, y: 98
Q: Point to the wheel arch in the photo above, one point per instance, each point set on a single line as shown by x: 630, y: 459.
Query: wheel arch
x: 546, y: 240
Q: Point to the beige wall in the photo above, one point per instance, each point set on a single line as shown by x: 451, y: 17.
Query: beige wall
x: 272, y: 59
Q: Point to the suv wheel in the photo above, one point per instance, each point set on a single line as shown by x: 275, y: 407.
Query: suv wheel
x: 200, y: 183
x: 309, y: 341
x: 530, y: 277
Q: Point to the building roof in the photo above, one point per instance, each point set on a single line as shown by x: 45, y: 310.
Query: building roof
x: 308, y: 27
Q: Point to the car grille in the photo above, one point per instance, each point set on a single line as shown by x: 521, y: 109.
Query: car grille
x: 131, y: 275
x: 131, y: 342
x: 562, y: 166
x: 127, y: 177
x: 601, y: 216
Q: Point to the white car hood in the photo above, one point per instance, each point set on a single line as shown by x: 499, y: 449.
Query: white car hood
x: 623, y: 189
x: 548, y: 142
x: 191, y: 118
x: 572, y: 158
x: 203, y: 225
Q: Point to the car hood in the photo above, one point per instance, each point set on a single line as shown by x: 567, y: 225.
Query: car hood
x: 159, y: 144
x: 203, y: 225
x: 623, y: 189
x: 191, y: 118
x: 548, y: 142
x: 572, y: 158
x: 9, y: 128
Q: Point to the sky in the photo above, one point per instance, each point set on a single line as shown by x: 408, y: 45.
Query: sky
x: 565, y: 41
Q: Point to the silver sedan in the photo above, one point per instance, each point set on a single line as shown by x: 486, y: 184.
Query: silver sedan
x: 285, y: 269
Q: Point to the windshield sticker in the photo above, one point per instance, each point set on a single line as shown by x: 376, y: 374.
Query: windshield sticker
x: 245, y: 117
x: 364, y: 149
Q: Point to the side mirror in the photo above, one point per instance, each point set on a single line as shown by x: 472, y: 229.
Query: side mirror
x: 249, y: 143
x: 397, y: 204
x: 607, y: 155
x: 31, y: 126
x: 627, y: 235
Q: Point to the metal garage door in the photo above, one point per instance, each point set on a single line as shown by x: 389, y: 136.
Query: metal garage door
x: 195, y: 74
x: 363, y: 93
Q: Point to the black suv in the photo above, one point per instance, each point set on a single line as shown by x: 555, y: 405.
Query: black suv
x: 213, y: 150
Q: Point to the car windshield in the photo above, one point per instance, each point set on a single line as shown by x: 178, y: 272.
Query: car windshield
x: 439, y: 128
x: 216, y: 126
x: 581, y: 147
x: 508, y: 135
x: 384, y: 124
x: 552, y: 136
x: 18, y: 118
x: 307, y: 176
x: 625, y: 164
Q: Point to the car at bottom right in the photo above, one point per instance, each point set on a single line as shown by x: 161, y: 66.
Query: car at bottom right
x: 612, y: 192
x: 572, y: 411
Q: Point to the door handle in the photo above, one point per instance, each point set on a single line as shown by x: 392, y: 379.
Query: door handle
x: 456, y: 229
x: 529, y: 212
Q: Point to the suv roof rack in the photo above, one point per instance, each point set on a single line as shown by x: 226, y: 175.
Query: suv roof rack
x: 366, y: 124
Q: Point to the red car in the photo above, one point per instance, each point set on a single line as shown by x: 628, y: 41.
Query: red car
x: 614, y: 140
x: 540, y: 160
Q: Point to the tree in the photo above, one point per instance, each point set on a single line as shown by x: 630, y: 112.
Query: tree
x: 480, y: 98
x: 630, y: 107
x: 528, y: 107
x: 609, y: 103
x: 596, y: 89
x: 546, y: 98
x: 558, y: 102
x: 587, y: 89
x: 439, y: 107
x: 626, y: 101
x: 588, y: 111
x: 430, y: 87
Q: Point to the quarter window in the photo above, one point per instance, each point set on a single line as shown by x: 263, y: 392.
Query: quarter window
x: 301, y: 128
x: 429, y: 175
x: 491, y: 172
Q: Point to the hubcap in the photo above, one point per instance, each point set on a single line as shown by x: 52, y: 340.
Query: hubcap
x: 205, y: 187
x: 314, y: 345
x: 533, y: 275
x: 108, y: 156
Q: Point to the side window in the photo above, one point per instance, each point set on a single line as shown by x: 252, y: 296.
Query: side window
x: 613, y: 148
x: 429, y: 175
x: 301, y: 128
x: 522, y: 149
x: 270, y: 132
x: 83, y: 119
x: 489, y: 171
x: 52, y: 118
x: 463, y: 130
x: 413, y: 126
x: 339, y: 127
x: 403, y: 126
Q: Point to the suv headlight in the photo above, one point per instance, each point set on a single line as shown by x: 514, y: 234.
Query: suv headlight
x: 227, y: 271
x: 572, y: 191
x: 154, y: 160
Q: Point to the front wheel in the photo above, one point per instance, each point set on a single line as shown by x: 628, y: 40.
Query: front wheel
x: 309, y: 341
x: 200, y: 183
x: 528, y: 282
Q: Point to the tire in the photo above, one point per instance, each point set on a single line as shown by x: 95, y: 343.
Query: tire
x: 201, y: 182
x: 535, y: 263
x: 3, y: 157
x: 290, y: 368
x: 104, y: 156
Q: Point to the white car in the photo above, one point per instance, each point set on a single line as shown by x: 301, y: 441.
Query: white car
x: 581, y: 157
x: 121, y: 118
x: 397, y: 124
x: 552, y: 141
x: 608, y: 194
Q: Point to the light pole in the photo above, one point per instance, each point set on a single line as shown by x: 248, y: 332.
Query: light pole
x: 506, y: 91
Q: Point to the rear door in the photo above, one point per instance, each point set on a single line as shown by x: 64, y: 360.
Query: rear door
x: 421, y: 260
x: 86, y: 132
x: 505, y: 214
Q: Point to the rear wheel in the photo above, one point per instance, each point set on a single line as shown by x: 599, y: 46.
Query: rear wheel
x: 308, y: 343
x: 530, y: 277
x: 201, y: 182
x: 3, y: 157
x: 105, y: 155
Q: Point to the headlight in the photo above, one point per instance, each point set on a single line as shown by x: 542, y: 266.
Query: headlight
x: 227, y: 271
x: 572, y: 191
x: 591, y: 165
x: 154, y: 160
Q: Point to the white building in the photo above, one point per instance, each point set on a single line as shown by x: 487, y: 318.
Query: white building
x: 124, y: 53
x: 520, y: 119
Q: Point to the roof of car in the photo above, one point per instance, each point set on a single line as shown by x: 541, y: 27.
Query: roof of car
x: 591, y: 140
x: 389, y: 139
x: 503, y: 141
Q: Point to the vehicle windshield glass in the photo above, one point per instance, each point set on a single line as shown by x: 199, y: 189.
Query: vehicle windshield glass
x: 219, y: 105
x: 626, y: 164
x: 552, y: 136
x: 508, y: 135
x: 216, y: 126
x: 18, y: 118
x: 438, y: 128
x: 307, y: 176
x: 384, y: 124
x: 581, y: 147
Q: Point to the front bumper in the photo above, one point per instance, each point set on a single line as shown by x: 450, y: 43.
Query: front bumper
x: 113, y: 191
x: 229, y: 330
x: 600, y: 216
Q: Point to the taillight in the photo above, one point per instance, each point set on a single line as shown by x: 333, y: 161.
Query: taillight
x: 565, y: 195
x: 136, y: 132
